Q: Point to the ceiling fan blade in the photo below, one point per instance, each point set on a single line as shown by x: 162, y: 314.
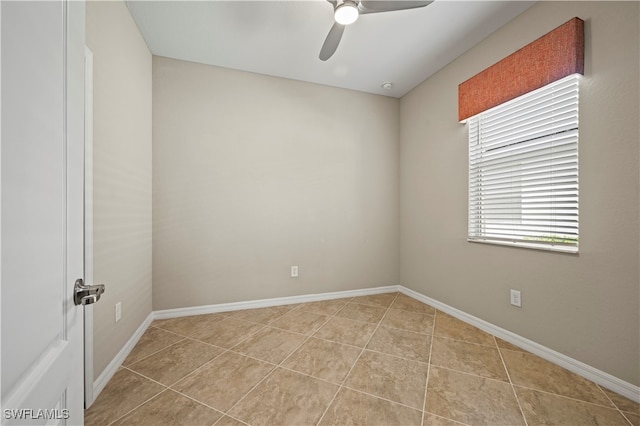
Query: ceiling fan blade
x: 377, y: 6
x: 331, y: 42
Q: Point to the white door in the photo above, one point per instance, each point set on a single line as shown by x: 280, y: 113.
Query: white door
x: 41, y: 169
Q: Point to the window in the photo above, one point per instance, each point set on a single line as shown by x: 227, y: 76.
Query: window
x: 523, y: 170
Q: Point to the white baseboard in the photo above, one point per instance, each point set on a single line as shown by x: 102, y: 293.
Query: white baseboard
x: 117, y: 361
x: 263, y: 303
x: 606, y: 380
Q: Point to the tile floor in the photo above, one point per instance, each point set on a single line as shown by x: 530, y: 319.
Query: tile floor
x: 385, y: 359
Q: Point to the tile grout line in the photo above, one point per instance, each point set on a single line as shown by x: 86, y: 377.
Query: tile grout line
x: 167, y: 387
x: 312, y: 336
x: 159, y: 327
x: 145, y: 401
x: 399, y: 356
x: 469, y: 342
x: 247, y: 337
x: 584, y: 401
x: 615, y: 408
x: 188, y: 374
x: 381, y: 398
x: 380, y: 307
x: 146, y: 377
x: 129, y: 367
x: 224, y: 351
x: 336, y: 342
x: 231, y: 417
x: 319, y: 378
x: 308, y: 375
x: 523, y: 386
x: 513, y: 388
x: 270, y: 373
x: 614, y: 404
x: 297, y: 332
x: 308, y: 336
x: 222, y: 347
x: 193, y: 338
x: 250, y: 390
x: 274, y: 367
x: 271, y: 323
x: 203, y: 404
x: 164, y: 329
x: 356, y: 361
x: 198, y: 402
x: 302, y: 374
x: 626, y: 418
x: 171, y: 331
x: 426, y: 384
x: 307, y: 339
x: 466, y: 373
x: 153, y: 353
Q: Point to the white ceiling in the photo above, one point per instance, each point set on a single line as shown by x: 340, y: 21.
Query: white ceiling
x: 283, y: 38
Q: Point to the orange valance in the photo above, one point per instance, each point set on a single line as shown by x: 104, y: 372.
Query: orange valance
x: 553, y: 56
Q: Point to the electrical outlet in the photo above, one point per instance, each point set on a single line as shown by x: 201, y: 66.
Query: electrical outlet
x: 294, y: 272
x: 516, y: 299
x: 118, y: 311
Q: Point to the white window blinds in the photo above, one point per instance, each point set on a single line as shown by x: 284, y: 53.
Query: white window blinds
x: 523, y: 170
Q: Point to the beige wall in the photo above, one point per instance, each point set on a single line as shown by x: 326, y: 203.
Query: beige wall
x: 253, y: 174
x: 584, y: 306
x: 122, y: 175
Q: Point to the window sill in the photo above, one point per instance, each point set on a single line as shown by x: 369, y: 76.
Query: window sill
x: 531, y: 246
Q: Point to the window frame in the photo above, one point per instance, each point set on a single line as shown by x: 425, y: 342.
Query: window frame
x: 487, y: 221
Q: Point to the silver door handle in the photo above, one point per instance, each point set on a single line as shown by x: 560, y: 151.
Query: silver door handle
x: 86, y: 294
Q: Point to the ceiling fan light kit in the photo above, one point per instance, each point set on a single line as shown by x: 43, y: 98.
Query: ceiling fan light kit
x: 346, y: 12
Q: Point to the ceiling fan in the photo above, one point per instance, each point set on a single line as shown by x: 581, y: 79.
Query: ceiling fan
x: 346, y: 12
